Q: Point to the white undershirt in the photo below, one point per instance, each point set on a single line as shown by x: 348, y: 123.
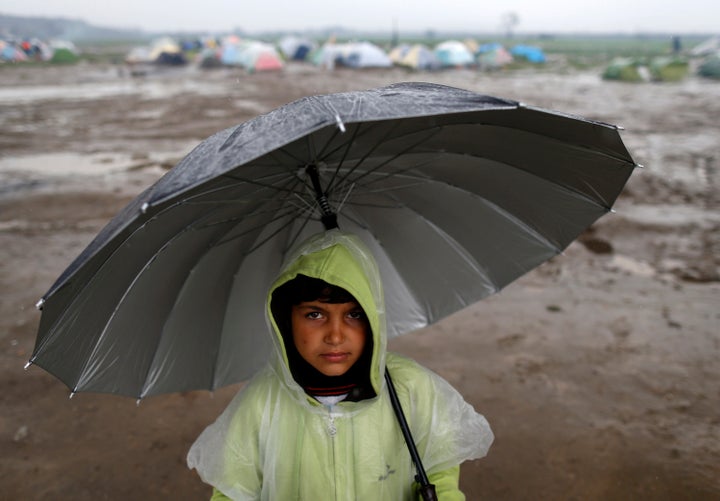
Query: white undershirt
x: 331, y: 400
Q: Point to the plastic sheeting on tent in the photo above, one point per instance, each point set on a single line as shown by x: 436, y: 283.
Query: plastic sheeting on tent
x: 453, y: 53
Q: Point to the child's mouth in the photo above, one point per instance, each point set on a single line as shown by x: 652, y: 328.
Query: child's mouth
x: 334, y: 357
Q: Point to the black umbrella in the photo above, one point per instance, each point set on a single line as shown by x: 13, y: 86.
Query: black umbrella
x: 457, y: 193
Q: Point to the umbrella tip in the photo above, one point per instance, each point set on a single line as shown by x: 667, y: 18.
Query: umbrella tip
x: 137, y: 402
x: 619, y: 127
x: 340, y: 123
x: 72, y: 394
x: 40, y: 303
x: 640, y: 166
x: 144, y: 207
x: 28, y: 364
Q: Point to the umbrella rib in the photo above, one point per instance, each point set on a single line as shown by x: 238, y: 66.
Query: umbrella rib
x: 107, y: 323
x: 127, y: 290
x: 345, y: 177
x: 219, y: 241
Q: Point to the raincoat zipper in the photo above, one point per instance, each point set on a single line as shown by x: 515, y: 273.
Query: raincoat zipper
x: 332, y: 431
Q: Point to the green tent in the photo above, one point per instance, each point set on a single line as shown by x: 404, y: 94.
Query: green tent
x: 64, y: 55
x: 668, y: 69
x: 710, y: 67
x: 624, y: 69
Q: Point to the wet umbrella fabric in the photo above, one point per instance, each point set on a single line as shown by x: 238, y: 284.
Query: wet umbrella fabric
x: 458, y: 194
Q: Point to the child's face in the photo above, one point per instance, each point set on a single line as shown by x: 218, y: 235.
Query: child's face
x: 329, y: 336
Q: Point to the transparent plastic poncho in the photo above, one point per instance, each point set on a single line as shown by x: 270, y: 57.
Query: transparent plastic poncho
x: 273, y: 441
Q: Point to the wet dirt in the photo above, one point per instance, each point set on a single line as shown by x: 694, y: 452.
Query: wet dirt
x: 598, y: 371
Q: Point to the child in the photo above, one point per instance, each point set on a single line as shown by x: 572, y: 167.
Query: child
x: 317, y: 422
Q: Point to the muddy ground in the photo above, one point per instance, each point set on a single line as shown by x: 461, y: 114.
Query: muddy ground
x: 598, y: 371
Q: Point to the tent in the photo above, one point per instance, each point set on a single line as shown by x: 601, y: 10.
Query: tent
x: 209, y: 57
x: 626, y: 70
x: 9, y: 52
x: 454, y: 54
x: 362, y: 55
x: 706, y: 48
x: 230, y: 51
x: 326, y: 55
x: 668, y: 69
x: 529, y: 53
x: 493, y: 56
x: 398, y: 52
x: 260, y: 56
x: 419, y: 57
x: 64, y: 56
x: 295, y: 48
x: 166, y: 51
x: 710, y: 67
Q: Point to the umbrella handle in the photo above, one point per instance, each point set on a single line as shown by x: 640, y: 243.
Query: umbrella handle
x: 328, y: 217
x: 427, y: 490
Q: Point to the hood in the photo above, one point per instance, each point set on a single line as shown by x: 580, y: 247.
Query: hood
x: 343, y: 260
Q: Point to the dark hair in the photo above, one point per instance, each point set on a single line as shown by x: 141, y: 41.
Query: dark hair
x: 303, y: 289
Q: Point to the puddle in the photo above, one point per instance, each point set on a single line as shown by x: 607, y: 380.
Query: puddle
x: 632, y: 266
x: 68, y: 163
x: 149, y: 89
x: 670, y: 215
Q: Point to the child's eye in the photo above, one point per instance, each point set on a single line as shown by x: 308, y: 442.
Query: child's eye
x: 313, y: 315
x: 357, y: 315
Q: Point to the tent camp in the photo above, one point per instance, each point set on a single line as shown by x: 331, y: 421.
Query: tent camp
x: 710, y: 67
x: 668, y: 69
x: 296, y: 48
x: 416, y: 57
x: 707, y: 47
x: 492, y: 56
x: 626, y: 70
x: 166, y: 51
x: 362, y: 55
x: 398, y: 52
x: 260, y: 56
x: 64, y: 52
x: 529, y: 53
x: 11, y: 53
x: 453, y: 53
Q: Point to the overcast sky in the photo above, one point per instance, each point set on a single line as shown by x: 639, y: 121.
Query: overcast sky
x: 625, y: 16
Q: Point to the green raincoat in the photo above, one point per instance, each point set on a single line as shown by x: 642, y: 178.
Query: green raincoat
x: 274, y: 442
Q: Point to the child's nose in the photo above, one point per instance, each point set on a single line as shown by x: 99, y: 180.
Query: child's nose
x: 334, y: 334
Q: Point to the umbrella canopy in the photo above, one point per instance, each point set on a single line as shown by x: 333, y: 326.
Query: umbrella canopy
x: 458, y: 194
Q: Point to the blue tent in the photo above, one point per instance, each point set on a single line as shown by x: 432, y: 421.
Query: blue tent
x: 529, y: 52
